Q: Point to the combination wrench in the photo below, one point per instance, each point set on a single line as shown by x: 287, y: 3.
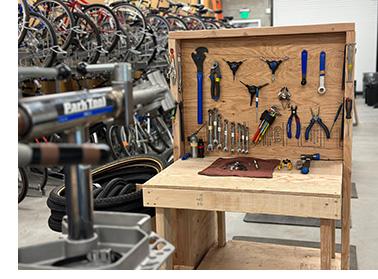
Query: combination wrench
x: 219, y: 131
x: 225, y: 135
x: 322, y: 66
x: 239, y: 137
x: 215, y: 126
x: 232, y: 148
x: 210, y: 131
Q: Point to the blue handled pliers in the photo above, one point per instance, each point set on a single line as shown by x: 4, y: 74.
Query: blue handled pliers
x: 297, y: 122
x: 316, y: 118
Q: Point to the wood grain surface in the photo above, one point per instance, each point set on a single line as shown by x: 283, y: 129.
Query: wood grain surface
x: 254, y: 256
x: 234, y: 101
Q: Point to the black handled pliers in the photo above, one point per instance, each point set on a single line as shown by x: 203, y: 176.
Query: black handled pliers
x: 297, y: 122
x: 215, y: 78
x: 316, y: 118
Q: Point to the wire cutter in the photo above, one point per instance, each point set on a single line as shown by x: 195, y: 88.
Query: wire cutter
x: 297, y: 122
x: 215, y: 78
x: 316, y: 118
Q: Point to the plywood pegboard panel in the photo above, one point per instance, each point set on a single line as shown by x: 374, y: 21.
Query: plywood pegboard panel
x: 234, y: 101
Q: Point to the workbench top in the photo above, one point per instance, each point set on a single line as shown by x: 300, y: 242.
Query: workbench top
x: 324, y: 179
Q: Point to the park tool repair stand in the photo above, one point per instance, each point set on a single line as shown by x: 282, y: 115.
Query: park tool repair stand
x: 198, y: 58
x: 215, y: 78
x: 234, y: 66
x: 274, y: 64
x: 254, y: 90
x: 104, y: 240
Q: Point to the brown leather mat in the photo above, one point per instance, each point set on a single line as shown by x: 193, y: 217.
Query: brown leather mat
x: 242, y: 167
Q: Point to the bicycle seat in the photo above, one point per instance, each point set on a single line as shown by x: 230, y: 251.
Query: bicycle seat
x: 228, y: 18
x: 218, y: 11
x: 155, y: 11
x: 177, y: 5
x: 163, y: 9
x: 197, y: 6
x: 203, y: 11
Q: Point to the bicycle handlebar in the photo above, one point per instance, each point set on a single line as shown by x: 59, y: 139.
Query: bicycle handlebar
x: 60, y: 72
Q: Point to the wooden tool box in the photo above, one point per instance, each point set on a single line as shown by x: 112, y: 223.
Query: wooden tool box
x: 190, y: 208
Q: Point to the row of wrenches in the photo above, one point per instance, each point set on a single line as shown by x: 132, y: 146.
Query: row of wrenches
x: 239, y: 133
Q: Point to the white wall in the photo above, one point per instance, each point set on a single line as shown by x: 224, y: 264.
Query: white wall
x: 362, y: 12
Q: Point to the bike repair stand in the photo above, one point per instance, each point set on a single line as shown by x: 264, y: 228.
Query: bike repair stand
x: 100, y: 240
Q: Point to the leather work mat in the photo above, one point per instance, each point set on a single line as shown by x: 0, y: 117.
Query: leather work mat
x: 221, y: 167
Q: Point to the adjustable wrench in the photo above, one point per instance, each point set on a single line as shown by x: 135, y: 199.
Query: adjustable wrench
x: 210, y: 131
x: 239, y: 138
x: 322, y: 65
x: 219, y: 131
x: 232, y: 149
x: 215, y: 126
x: 225, y: 135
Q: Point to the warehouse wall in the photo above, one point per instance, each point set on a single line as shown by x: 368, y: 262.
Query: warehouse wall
x: 257, y: 7
x: 362, y: 12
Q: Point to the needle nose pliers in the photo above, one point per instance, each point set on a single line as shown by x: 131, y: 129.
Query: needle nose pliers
x: 316, y: 118
x: 297, y: 122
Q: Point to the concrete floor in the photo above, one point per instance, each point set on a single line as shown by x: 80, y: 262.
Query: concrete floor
x: 33, y: 212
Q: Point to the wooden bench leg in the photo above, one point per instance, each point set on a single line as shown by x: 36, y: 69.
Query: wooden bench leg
x: 333, y: 225
x: 325, y: 243
x: 221, y: 223
x: 164, y: 229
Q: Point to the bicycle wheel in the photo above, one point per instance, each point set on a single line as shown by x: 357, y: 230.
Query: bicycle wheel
x: 60, y: 17
x: 160, y: 27
x: 86, y: 41
x: 113, y: 140
x: 23, y: 184
x: 132, y: 21
x: 210, y: 25
x: 40, y: 176
x: 37, y: 48
x: 194, y: 23
x: 106, y: 22
x: 176, y: 23
x: 23, y: 19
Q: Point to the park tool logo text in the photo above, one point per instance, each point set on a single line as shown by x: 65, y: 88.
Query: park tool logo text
x: 84, y: 105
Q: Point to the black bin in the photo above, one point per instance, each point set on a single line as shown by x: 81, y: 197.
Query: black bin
x: 371, y: 94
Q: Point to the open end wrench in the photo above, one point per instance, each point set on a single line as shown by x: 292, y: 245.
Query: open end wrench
x: 210, y: 131
x: 225, y: 135
x: 198, y: 58
x: 219, y: 131
x: 232, y: 149
x: 239, y: 137
x: 242, y: 128
x: 322, y: 65
x: 215, y: 126
x: 246, y: 150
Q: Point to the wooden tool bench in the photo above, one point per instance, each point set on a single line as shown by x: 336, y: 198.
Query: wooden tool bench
x: 190, y: 207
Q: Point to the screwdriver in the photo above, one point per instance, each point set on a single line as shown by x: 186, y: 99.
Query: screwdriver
x: 348, y: 110
x: 336, y: 116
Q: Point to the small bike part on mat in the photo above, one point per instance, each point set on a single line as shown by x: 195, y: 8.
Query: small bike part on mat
x: 322, y: 67
x: 297, y: 122
x: 237, y: 166
x: 198, y: 58
x: 254, y: 90
x: 234, y: 66
x: 304, y: 66
x: 285, y: 164
x: 316, y: 118
x: 284, y: 96
x: 186, y: 156
x: 215, y: 79
x: 274, y: 64
x: 256, y: 164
